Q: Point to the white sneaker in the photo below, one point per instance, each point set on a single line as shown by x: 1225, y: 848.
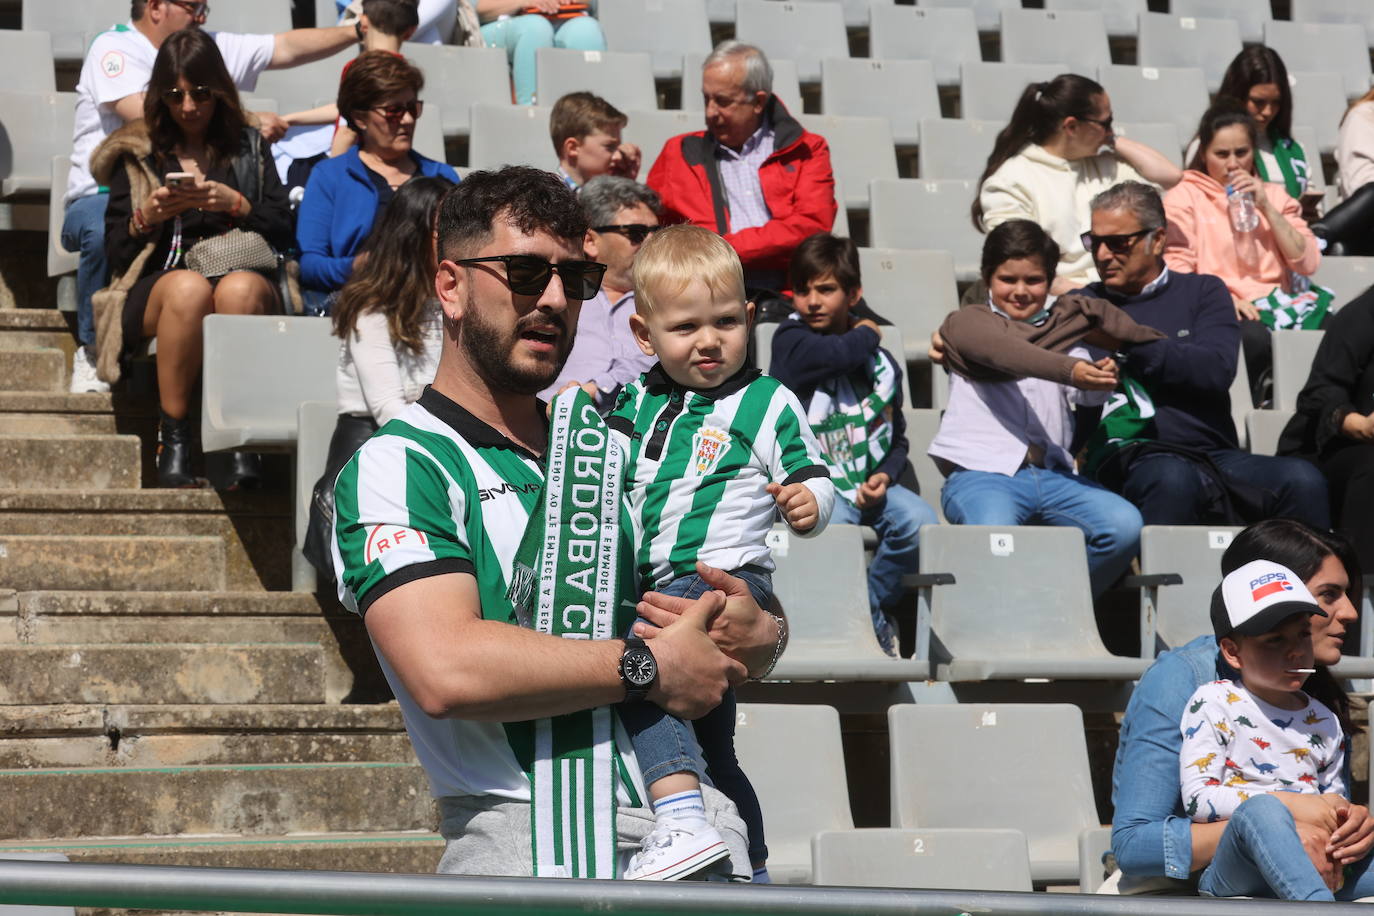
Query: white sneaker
x: 671, y: 853
x: 84, y: 378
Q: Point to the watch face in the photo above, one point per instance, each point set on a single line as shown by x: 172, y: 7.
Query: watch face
x: 640, y: 668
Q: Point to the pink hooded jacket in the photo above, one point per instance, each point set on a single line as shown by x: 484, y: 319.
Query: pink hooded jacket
x: 1200, y: 241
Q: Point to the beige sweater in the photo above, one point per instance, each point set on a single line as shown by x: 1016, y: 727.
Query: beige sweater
x: 1355, y: 150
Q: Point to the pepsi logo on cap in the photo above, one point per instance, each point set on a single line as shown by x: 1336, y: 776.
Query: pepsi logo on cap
x: 1269, y: 584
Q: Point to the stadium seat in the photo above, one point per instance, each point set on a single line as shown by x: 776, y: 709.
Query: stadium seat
x: 1293, y: 354
x: 1162, y: 137
x: 955, y: 147
x: 987, y: 13
x: 806, y: 33
x: 785, y: 83
x: 822, y: 586
x: 1177, y: 95
x: 951, y: 766
x: 914, y: 290
x: 1045, y: 37
x: 310, y: 85
x: 649, y: 130
x: 921, y: 426
x: 1263, y: 428
x: 1319, y: 103
x: 945, y: 37
x: 458, y: 77
x: 428, y: 139
x: 1249, y: 15
x: 798, y: 801
x: 1187, y: 41
x: 841, y: 225
x: 294, y: 359
x: 663, y: 30
x: 990, y: 91
x: 1347, y: 277
x: 315, y: 422
x: 1119, y: 16
x: 72, y: 23
x: 953, y: 859
x: 856, y: 12
x: 259, y: 17
x: 326, y: 13
x: 1316, y: 47
x: 860, y: 149
x: 34, y: 127
x: 1194, y: 553
x: 1356, y: 12
x: 60, y: 260
x: 623, y: 78
x: 31, y: 60
x: 1242, y: 401
x: 915, y: 213
x: 864, y: 86
x: 510, y: 135
x: 1021, y: 608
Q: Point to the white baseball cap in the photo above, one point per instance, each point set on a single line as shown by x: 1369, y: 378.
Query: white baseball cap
x: 1257, y: 597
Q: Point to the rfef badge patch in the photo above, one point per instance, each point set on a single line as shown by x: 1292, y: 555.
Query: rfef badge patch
x: 112, y: 64
x: 709, y: 445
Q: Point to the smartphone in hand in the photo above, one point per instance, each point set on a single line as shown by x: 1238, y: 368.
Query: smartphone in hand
x: 177, y: 180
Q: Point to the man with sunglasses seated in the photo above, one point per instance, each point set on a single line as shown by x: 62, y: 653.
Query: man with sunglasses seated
x: 109, y: 94
x: 1168, y: 443
x: 621, y: 214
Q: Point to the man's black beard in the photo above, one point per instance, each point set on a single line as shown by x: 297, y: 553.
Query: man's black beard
x: 488, y: 350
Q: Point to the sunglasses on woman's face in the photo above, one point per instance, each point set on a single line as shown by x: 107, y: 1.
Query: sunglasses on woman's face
x: 394, y: 113
x: 528, y: 275
x: 199, y: 94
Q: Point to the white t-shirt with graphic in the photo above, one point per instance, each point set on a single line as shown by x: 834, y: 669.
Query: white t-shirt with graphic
x: 118, y: 64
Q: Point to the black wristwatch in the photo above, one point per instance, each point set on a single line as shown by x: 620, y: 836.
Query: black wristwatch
x: 638, y: 670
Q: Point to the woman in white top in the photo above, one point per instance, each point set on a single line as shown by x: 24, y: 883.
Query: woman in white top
x: 1055, y: 154
x: 1348, y: 227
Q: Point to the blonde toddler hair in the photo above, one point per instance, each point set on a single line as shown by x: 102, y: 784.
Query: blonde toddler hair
x: 674, y: 257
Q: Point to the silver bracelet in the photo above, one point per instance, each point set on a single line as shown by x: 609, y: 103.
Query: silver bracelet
x: 777, y: 649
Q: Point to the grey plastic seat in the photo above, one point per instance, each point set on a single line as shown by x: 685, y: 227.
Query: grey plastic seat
x: 860, y: 149
x: 1293, y: 354
x: 29, y: 60
x: 1193, y: 552
x: 798, y: 801
x: 955, y: 147
x: 1119, y: 16
x: 1046, y: 36
x: 786, y: 86
x: 720, y: 12
x: 1347, y: 277
x: 855, y: 11
x: 949, y: 768
x: 458, y: 77
x: 841, y: 225
x: 309, y: 85
x: 987, y: 13
x: 1319, y: 103
x: 1188, y: 41
x: 1177, y: 95
x: 34, y: 127
x: 803, y: 32
x: 1356, y: 12
x: 60, y: 260
x: 822, y: 586
x: 914, y: 213
x: 623, y: 78
x: 663, y: 30
x: 258, y: 17
x: 921, y: 426
x: 72, y: 23
x: 1021, y: 607
x: 1242, y: 400
x: 865, y: 87
x: 258, y: 370
x: 1319, y: 46
x: 1249, y: 15
x: 326, y: 13
x: 1263, y: 428
x: 953, y: 859
x: 989, y: 91
x: 913, y: 289
x: 315, y: 422
x: 428, y: 139
x: 945, y: 37
x: 1161, y: 136
x: 649, y: 130
x: 510, y: 135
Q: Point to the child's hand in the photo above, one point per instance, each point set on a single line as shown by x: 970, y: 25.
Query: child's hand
x: 1099, y: 376
x: 1354, y: 833
x: 872, y: 491
x: 589, y: 387
x: 798, y: 505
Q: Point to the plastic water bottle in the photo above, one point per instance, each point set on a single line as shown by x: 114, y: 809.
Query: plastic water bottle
x: 1241, y: 207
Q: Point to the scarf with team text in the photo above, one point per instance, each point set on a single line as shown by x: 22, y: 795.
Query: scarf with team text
x: 851, y: 416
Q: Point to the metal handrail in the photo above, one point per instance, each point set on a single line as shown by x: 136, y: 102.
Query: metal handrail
x: 331, y: 893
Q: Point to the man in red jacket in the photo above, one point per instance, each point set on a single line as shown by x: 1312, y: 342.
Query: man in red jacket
x: 754, y: 175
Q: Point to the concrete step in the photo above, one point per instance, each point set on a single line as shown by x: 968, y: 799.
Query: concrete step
x: 32, y: 370
x: 89, y: 402
x: 58, y: 424
x: 39, y: 631
x: 171, y: 719
x: 70, y: 462
x: 23, y: 319
x: 36, y: 675
x: 35, y: 562
x: 171, y: 604
x: 270, y: 800
x: 116, y: 750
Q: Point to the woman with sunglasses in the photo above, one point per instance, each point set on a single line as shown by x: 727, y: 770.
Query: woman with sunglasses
x: 184, y: 174
x: 1055, y: 154
x: 379, y: 98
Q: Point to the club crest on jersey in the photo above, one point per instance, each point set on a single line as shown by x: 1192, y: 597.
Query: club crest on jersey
x: 384, y: 538
x: 709, y: 445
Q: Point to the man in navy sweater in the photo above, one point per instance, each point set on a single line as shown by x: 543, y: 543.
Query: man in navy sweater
x: 1192, y: 470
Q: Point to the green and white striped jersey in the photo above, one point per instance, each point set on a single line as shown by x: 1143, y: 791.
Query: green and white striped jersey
x: 697, y: 466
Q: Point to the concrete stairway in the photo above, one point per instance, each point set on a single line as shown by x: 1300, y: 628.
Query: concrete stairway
x: 162, y: 698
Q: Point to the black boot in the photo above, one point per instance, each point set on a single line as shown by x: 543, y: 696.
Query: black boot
x: 175, y: 451
x: 246, y: 472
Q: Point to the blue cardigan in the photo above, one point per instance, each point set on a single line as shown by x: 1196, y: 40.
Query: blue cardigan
x: 336, y: 215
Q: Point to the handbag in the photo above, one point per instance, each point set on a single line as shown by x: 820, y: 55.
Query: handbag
x: 237, y: 249
x: 349, y: 435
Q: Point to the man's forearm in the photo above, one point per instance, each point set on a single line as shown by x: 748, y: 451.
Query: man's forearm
x: 301, y: 46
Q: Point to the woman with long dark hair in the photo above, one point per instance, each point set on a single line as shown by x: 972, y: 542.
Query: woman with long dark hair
x: 192, y: 170
x: 1056, y: 153
x: 1257, y: 82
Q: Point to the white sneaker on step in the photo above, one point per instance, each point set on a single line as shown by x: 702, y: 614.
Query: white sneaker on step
x: 671, y: 853
x: 84, y: 378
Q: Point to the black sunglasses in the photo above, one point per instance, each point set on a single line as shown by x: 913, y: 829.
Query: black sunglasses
x: 394, y: 113
x: 635, y: 232
x: 197, y: 10
x: 1105, y: 125
x: 1117, y: 244
x: 528, y: 275
x: 199, y: 94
